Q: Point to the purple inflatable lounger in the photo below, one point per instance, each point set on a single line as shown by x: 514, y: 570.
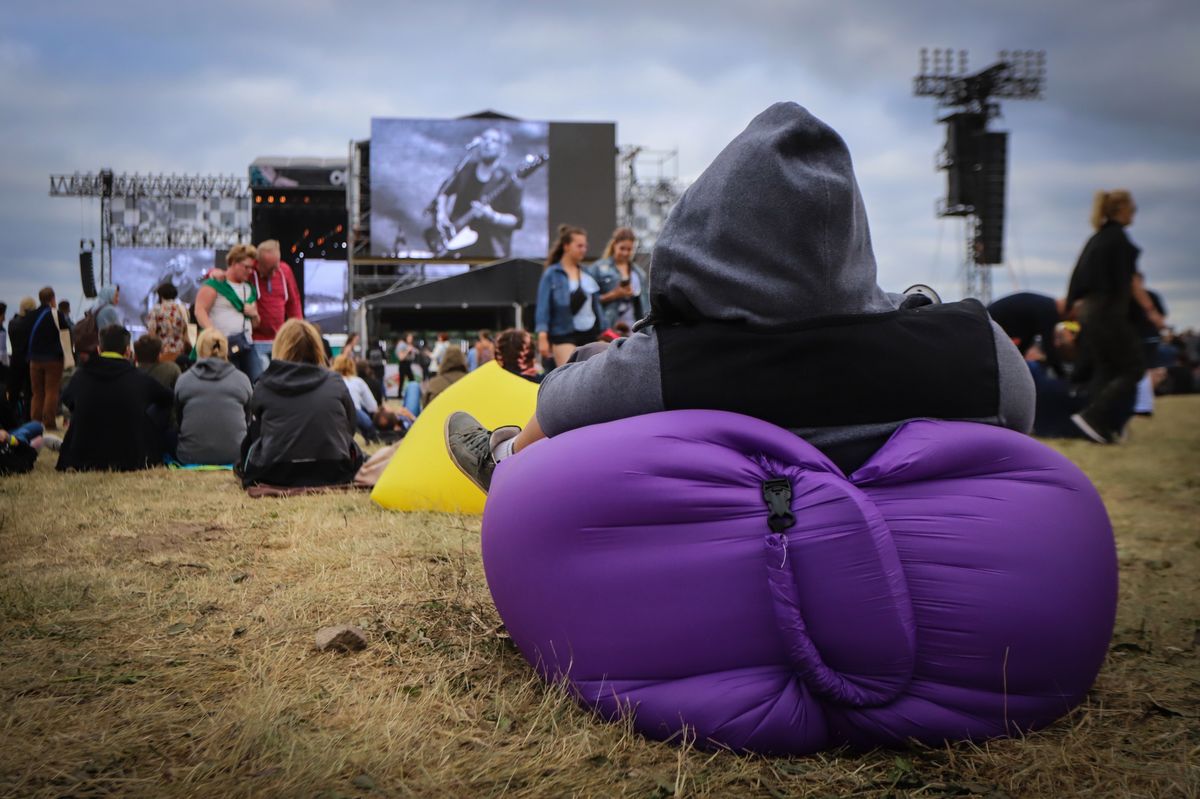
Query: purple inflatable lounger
x: 961, y: 584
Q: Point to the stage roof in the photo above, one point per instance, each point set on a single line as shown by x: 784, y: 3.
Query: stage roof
x: 498, y: 285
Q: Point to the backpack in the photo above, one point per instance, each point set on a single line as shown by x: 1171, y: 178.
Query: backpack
x: 86, y: 336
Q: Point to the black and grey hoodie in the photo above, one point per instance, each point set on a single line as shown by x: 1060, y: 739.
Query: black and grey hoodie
x: 301, y: 428
x: 764, y: 302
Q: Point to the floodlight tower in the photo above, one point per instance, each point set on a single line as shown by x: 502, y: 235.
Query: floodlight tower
x: 975, y: 158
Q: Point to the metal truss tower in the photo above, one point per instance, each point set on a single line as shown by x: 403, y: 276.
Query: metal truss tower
x: 976, y: 159
x: 162, y: 210
x: 648, y: 187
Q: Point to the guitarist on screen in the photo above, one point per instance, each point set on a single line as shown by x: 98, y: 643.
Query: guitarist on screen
x: 479, y: 174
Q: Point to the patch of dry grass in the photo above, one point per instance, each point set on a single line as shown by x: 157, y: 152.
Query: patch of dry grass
x: 156, y: 639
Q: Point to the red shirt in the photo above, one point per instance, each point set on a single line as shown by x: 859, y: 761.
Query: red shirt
x: 278, y: 301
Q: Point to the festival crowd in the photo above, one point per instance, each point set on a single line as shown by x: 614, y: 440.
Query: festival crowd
x: 240, y: 380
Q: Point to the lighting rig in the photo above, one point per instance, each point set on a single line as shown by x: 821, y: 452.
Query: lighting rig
x: 974, y: 157
x: 160, y: 211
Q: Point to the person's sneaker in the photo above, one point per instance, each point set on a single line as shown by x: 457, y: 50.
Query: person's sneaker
x: 1089, y: 431
x: 470, y: 446
x: 52, y: 442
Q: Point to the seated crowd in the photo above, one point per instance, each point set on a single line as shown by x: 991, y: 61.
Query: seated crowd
x: 132, y: 405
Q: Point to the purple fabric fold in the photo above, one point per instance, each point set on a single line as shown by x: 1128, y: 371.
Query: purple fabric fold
x: 961, y: 584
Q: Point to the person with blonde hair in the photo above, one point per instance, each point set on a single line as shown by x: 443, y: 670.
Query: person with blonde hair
x: 212, y: 400
x: 301, y: 417
x: 624, y: 290
x: 230, y: 304
x: 1107, y: 298
x: 365, y: 405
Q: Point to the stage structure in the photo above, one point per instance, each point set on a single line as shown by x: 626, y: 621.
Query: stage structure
x: 648, y: 189
x: 410, y: 218
x: 974, y: 157
x: 202, y: 212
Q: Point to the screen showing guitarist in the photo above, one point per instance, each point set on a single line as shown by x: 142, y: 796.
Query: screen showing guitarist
x: 466, y: 222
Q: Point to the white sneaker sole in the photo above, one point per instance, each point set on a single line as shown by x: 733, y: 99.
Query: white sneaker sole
x: 1088, y: 430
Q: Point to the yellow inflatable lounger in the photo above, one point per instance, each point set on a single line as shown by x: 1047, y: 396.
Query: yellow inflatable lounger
x: 421, y: 476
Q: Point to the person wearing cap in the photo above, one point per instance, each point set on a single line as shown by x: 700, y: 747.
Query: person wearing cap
x: 765, y: 267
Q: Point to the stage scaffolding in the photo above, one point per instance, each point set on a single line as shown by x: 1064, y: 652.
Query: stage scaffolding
x: 648, y: 187
x: 209, y: 211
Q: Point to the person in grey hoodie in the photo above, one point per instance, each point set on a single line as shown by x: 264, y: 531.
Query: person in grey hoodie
x: 302, y: 419
x: 212, y: 401
x: 764, y: 269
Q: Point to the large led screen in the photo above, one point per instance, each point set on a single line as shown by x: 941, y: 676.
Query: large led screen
x: 140, y: 271
x: 476, y: 189
x: 325, y: 294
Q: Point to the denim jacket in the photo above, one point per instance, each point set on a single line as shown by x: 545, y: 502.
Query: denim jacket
x: 605, y: 273
x: 554, y: 303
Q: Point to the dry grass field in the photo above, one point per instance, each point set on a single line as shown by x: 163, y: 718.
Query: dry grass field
x: 156, y: 639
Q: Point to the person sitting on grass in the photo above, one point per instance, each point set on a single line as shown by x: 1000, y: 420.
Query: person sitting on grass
x: 301, y: 417
x: 19, y: 448
x: 392, y: 425
x: 365, y: 405
x: 212, y: 401
x: 764, y: 269
x: 147, y: 351
x: 371, y: 374
x: 118, y: 414
x: 453, y: 369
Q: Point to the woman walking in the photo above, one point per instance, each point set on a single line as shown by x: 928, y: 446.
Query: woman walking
x: 1106, y: 297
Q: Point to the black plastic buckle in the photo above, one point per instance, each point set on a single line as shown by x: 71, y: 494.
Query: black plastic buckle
x: 778, y: 495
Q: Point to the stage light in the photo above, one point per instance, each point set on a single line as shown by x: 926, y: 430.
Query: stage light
x: 282, y: 199
x: 320, y: 241
x: 337, y: 229
x: 270, y: 199
x: 258, y: 198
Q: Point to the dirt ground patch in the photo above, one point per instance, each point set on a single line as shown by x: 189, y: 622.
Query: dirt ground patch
x: 156, y: 639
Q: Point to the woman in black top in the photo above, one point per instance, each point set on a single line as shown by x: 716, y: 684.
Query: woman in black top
x: 1108, y: 300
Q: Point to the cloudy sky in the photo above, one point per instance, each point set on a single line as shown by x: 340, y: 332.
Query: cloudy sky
x: 207, y: 87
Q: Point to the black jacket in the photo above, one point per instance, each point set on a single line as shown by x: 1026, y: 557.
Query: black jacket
x: 111, y: 426
x: 1103, y: 274
x: 18, y: 335
x: 301, y: 428
x: 44, y: 341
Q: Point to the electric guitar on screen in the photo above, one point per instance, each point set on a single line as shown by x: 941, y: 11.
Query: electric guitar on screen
x: 462, y: 235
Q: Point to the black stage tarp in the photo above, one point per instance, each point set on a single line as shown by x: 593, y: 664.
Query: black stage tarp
x: 485, y: 297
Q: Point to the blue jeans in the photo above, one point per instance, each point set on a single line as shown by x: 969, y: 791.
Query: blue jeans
x: 412, y: 397
x: 263, y: 348
x: 365, y: 425
x: 28, y: 432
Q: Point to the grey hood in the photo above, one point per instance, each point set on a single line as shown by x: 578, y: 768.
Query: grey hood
x: 212, y: 368
x: 771, y: 234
